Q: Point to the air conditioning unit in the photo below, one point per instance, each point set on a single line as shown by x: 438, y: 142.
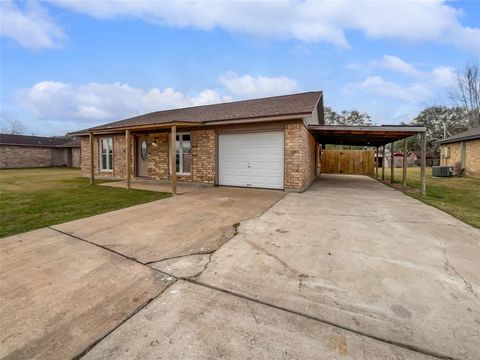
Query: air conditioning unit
x: 442, y: 171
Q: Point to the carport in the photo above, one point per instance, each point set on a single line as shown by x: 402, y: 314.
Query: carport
x: 378, y: 137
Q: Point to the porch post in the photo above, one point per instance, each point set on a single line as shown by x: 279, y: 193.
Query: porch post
x: 92, y: 161
x: 423, y: 162
x: 128, y: 154
x: 392, y: 163
x: 173, y: 160
x: 404, y: 177
x: 383, y: 162
x: 376, y: 164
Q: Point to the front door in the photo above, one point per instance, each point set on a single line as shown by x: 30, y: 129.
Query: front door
x: 142, y: 156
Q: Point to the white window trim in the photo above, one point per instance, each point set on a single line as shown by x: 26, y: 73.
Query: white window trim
x: 181, y: 153
x: 100, y: 155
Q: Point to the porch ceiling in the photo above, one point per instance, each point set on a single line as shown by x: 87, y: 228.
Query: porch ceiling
x: 362, y: 135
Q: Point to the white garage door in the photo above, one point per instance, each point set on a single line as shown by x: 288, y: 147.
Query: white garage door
x: 251, y: 159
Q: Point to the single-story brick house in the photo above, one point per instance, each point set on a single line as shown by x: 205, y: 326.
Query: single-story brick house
x: 23, y: 151
x: 464, y: 149
x: 266, y: 143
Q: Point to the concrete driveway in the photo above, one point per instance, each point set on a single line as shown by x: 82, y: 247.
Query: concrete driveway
x: 355, y: 253
x: 192, y: 223
x: 349, y: 269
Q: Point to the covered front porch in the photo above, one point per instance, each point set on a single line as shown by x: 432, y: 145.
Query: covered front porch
x: 144, y: 155
x: 156, y: 185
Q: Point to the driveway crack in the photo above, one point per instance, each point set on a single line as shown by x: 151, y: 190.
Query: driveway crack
x: 448, y: 265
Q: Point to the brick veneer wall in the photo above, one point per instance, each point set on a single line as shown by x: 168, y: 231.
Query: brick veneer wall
x: 472, y: 155
x: 24, y: 156
x: 119, y: 156
x: 203, y: 156
x: 300, y: 148
x: 299, y: 157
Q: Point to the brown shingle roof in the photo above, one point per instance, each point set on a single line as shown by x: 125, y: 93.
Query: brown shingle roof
x: 302, y: 103
x: 471, y: 134
x: 26, y: 140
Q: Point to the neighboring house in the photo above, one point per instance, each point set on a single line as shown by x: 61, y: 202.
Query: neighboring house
x: 464, y: 149
x: 267, y: 143
x: 22, y: 151
x: 413, y: 159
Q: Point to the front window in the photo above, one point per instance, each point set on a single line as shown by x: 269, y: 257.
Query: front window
x: 106, y: 154
x: 183, y: 158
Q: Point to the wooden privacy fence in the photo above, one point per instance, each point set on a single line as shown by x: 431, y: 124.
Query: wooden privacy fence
x: 355, y: 162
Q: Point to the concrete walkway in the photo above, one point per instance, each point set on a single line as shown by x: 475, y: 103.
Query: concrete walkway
x: 348, y: 269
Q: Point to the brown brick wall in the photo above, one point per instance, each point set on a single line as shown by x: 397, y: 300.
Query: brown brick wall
x: 299, y: 157
x: 119, y: 156
x: 24, y: 156
x: 203, y: 156
x: 472, y: 156
x: 300, y: 148
x: 158, y: 156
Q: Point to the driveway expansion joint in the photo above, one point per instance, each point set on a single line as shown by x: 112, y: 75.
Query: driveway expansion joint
x: 324, y: 321
x: 136, y: 311
x: 110, y: 250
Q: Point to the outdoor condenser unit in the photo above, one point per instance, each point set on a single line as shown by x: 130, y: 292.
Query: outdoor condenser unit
x: 442, y: 171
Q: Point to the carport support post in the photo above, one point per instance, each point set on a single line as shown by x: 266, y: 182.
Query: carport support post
x: 392, y: 163
x: 173, y: 159
x: 92, y: 157
x: 376, y: 164
x: 404, y: 177
x: 423, y: 162
x: 383, y: 162
x: 127, y: 139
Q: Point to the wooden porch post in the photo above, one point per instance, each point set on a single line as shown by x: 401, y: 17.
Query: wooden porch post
x: 376, y: 164
x: 128, y: 154
x: 404, y: 176
x: 173, y: 160
x: 383, y: 162
x: 423, y: 162
x: 392, y: 163
x: 92, y: 161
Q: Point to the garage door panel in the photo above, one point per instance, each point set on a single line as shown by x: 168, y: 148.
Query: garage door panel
x: 252, y: 159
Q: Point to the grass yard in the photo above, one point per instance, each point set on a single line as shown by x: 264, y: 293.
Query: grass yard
x: 34, y: 198
x: 458, y: 196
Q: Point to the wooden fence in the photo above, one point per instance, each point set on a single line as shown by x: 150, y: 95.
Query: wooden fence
x: 355, y: 162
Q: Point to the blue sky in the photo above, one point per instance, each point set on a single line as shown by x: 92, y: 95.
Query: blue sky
x: 67, y: 65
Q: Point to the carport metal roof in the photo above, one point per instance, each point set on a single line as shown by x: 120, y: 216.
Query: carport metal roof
x: 363, y: 135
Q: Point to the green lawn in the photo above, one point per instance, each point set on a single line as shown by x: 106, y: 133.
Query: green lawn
x: 458, y: 196
x: 34, y: 198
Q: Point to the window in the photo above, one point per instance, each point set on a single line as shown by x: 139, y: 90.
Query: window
x: 183, y: 158
x: 144, y: 150
x: 106, y: 154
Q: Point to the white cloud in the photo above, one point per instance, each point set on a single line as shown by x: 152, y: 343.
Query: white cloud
x: 396, y: 64
x: 103, y: 102
x: 376, y: 85
x: 85, y: 105
x: 308, y: 21
x: 30, y: 26
x: 441, y: 76
x: 258, y: 86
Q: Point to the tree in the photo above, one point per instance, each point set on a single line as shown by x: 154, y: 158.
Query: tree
x: 351, y: 118
x: 441, y: 122
x: 467, y: 92
x: 14, y: 127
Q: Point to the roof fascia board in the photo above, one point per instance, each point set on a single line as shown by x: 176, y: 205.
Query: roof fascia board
x: 413, y: 129
x: 298, y: 116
